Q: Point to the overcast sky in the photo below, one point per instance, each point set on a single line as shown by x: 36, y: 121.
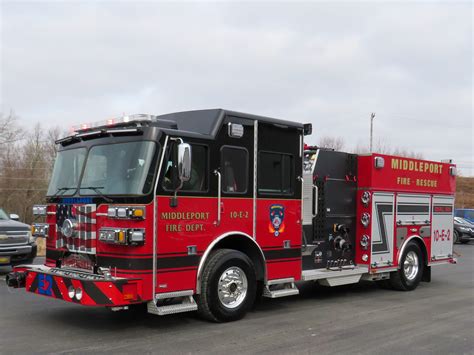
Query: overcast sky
x: 329, y: 63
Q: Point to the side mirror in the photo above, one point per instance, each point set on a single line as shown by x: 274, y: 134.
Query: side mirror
x: 184, y: 162
x: 14, y: 217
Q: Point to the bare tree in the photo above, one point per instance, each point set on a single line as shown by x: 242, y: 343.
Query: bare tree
x: 384, y: 147
x: 336, y: 143
x: 9, y: 130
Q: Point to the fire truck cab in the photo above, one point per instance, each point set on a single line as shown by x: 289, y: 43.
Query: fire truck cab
x: 208, y: 210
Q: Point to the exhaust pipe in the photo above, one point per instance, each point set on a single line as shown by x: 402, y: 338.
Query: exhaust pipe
x: 16, y: 279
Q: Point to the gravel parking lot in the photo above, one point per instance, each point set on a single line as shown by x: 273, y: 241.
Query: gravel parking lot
x: 438, y: 317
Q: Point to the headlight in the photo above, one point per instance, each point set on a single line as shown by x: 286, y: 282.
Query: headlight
x: 464, y: 229
x: 126, y: 212
x: 39, y: 230
x: 122, y: 236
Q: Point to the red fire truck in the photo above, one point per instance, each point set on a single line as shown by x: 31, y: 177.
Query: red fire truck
x: 208, y: 210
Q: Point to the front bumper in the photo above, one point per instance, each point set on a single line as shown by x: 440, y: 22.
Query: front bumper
x: 466, y: 236
x: 12, y: 255
x: 78, y: 287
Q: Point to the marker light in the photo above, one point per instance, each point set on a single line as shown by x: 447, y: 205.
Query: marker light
x: 364, y: 241
x: 365, y: 198
x: 379, y: 162
x: 365, y: 219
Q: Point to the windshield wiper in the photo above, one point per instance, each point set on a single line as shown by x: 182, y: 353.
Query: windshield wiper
x: 96, y: 189
x: 61, y: 189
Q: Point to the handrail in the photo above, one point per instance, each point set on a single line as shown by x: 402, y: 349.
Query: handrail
x: 219, y: 182
x: 315, y: 202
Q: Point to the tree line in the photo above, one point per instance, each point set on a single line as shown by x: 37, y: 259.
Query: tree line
x: 26, y: 162
x: 27, y: 158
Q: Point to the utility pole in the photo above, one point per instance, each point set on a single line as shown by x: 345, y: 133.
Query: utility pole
x: 372, y: 116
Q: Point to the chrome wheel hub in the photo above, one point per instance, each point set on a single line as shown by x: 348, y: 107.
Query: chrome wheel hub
x: 411, y: 265
x: 232, y: 287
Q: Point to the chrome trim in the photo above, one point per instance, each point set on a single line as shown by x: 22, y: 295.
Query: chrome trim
x: 155, y: 217
x: 255, y: 166
x: 402, y: 249
x: 232, y: 287
x: 211, y: 246
x: 219, y: 196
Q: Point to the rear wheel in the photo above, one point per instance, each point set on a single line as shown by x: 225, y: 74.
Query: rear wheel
x: 228, y: 286
x: 409, y: 275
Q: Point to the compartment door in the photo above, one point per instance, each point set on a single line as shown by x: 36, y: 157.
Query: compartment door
x: 442, y: 227
x: 382, y: 229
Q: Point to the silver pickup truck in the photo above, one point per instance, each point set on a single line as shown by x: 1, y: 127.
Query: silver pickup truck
x: 17, y: 246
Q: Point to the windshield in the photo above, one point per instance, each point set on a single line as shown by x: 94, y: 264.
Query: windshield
x: 3, y: 215
x: 462, y: 221
x: 470, y: 215
x: 119, y: 169
x: 67, y: 171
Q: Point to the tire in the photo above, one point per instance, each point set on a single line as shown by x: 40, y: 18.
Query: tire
x: 408, y: 277
x: 456, y: 237
x: 227, y: 272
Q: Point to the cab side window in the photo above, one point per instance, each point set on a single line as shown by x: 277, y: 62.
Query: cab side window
x: 275, y: 174
x: 234, y: 169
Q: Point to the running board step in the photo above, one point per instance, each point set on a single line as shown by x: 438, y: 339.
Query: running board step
x: 185, y: 299
x: 280, y: 288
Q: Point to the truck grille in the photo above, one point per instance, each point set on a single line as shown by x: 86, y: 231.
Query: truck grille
x: 76, y: 228
x: 8, y: 238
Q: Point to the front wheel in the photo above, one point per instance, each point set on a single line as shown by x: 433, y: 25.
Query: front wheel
x: 456, y: 237
x: 409, y: 275
x: 228, y: 286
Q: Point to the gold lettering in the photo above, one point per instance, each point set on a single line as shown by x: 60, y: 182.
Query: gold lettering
x: 394, y: 163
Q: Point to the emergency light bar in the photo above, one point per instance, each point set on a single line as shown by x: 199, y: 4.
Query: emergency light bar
x: 136, y: 118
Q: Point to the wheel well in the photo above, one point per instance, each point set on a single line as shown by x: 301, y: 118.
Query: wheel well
x: 422, y: 246
x: 426, y: 269
x: 249, y: 248
x: 241, y: 242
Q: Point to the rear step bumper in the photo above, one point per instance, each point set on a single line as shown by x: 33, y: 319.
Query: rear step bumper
x: 78, y: 287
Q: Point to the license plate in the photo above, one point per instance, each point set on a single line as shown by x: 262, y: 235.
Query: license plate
x: 4, y: 260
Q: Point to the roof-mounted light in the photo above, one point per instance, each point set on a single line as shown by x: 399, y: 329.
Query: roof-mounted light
x: 111, y: 122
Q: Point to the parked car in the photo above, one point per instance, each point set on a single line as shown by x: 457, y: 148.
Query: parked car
x: 466, y: 213
x: 17, y: 246
x: 463, y: 230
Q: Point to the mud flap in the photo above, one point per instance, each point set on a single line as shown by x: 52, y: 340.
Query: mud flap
x: 426, y: 274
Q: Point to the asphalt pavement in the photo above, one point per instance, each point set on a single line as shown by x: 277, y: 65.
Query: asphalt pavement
x: 437, y: 317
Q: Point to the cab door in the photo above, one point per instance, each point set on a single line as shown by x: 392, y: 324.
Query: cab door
x: 279, y: 219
